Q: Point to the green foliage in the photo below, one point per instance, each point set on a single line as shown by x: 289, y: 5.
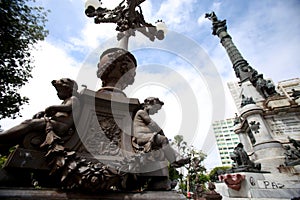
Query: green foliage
x: 3, y: 156
x: 3, y: 159
x: 213, y: 175
x: 179, y: 144
x: 203, y: 178
x: 21, y: 26
x: 173, y: 173
x: 196, y: 169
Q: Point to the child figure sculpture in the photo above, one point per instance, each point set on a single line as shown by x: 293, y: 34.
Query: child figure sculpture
x: 147, y: 132
x: 55, y: 121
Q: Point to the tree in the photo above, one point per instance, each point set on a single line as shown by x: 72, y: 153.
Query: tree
x: 215, y: 172
x: 196, y: 170
x: 21, y: 26
x: 181, y: 147
x: 180, y: 144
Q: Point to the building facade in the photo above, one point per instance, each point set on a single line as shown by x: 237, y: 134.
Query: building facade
x: 226, y: 139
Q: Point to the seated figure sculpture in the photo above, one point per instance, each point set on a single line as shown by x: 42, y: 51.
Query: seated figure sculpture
x: 40, y: 133
x: 66, y: 162
x: 150, y: 136
x: 55, y: 121
x: 242, y: 161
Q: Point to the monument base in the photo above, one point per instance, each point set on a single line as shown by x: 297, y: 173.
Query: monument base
x: 45, y: 194
x: 261, y: 185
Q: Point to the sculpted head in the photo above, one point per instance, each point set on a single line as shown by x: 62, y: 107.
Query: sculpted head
x: 116, y: 68
x: 153, y: 104
x: 65, y: 87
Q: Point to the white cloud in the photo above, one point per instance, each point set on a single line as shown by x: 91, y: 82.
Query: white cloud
x: 216, y: 6
x: 92, y: 35
x: 202, y: 20
x: 176, y: 13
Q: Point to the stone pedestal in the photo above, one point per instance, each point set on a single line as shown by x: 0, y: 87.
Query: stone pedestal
x: 50, y: 194
x: 262, y: 185
x: 267, y: 151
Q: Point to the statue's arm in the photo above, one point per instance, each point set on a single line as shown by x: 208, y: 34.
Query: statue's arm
x: 149, y: 122
x: 73, y: 102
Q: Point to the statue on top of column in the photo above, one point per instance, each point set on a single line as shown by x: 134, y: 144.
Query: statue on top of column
x: 242, y: 69
x: 216, y: 23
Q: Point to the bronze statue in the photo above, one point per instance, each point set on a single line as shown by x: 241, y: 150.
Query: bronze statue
x: 148, y: 134
x: 295, y: 94
x: 295, y: 143
x: 55, y: 121
x: 237, y: 119
x: 246, y: 101
x: 242, y: 161
x: 116, y: 69
x: 292, y: 156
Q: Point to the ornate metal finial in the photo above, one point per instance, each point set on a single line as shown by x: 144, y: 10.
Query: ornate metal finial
x: 127, y: 15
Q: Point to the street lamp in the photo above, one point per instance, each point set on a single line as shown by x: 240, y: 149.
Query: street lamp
x: 128, y: 17
x: 91, y: 6
x: 161, y: 29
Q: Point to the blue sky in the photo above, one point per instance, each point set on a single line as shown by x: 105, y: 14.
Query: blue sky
x: 188, y: 70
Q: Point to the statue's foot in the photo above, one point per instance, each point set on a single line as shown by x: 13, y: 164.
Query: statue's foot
x: 181, y: 162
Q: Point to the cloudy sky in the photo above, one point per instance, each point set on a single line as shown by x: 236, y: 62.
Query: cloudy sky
x: 188, y: 70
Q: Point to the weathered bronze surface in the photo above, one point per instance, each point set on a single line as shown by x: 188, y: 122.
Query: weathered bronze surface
x: 242, y: 161
x: 86, y: 142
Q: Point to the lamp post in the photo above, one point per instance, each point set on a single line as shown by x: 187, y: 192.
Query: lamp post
x: 129, y: 18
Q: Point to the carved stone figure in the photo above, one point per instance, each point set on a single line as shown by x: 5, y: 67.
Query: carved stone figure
x: 292, y: 156
x: 242, y: 161
x: 237, y: 119
x: 265, y: 87
x: 150, y: 136
x: 295, y: 94
x: 246, y: 101
x: 295, y: 143
x: 215, y: 22
x: 55, y: 121
x: 270, y: 88
x: 116, y: 69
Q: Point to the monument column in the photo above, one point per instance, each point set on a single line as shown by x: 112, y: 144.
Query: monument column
x: 255, y: 91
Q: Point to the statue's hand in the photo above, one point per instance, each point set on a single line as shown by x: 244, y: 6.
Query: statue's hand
x: 38, y: 115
